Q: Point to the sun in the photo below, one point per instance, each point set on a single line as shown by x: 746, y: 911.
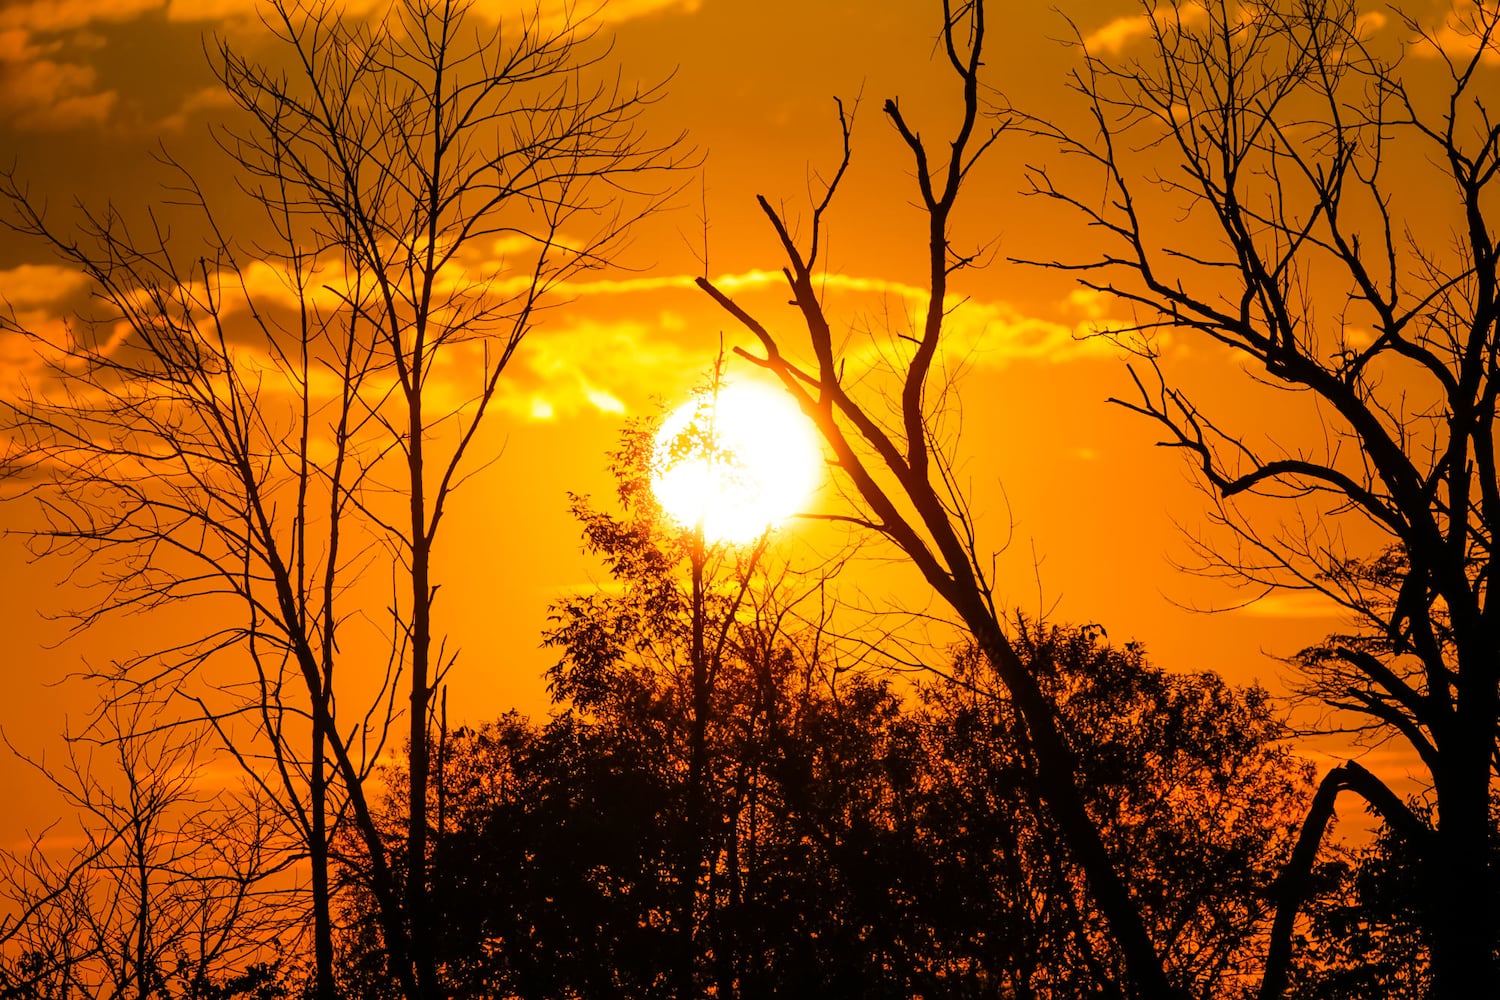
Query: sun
x: 736, y: 462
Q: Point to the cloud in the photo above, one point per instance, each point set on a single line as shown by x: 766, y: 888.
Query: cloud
x: 41, y: 93
x: 1458, y: 35
x: 746, y: 281
x: 32, y: 285
x: 56, y: 16
x: 42, y: 89
x: 554, y: 12
x: 1170, y: 18
x: 1294, y: 604
x: 31, y: 362
x: 996, y: 333
x: 48, y: 84
x: 46, y: 81
x: 205, y: 99
x: 15, y: 45
x: 614, y: 343
x: 1115, y: 36
x: 1122, y: 32
x: 1369, y: 23
x: 594, y: 365
x: 977, y: 332
x: 629, y: 10
x: 217, y: 10
x: 551, y: 12
x: 1089, y: 302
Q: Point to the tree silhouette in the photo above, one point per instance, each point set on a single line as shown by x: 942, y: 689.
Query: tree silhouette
x: 1272, y: 173
x: 253, y: 446
x: 699, y: 625
x: 1365, y: 934
x: 862, y: 843
x: 851, y: 840
x: 1193, y: 790
x: 174, y: 887
x: 900, y: 474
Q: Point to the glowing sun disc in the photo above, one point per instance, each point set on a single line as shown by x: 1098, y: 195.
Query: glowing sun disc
x: 736, y: 463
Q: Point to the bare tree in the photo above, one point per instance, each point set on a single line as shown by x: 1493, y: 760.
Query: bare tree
x: 175, y: 886
x: 253, y: 445
x: 1290, y: 183
x: 900, y: 474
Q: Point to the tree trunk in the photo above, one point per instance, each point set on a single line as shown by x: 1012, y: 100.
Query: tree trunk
x: 324, y: 988
x: 1056, y: 770
x: 421, y: 640
x: 1461, y: 903
x: 692, y: 848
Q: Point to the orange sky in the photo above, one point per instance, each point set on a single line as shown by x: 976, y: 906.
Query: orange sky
x: 88, y: 87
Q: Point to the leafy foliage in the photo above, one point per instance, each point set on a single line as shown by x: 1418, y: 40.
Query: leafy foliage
x: 844, y: 833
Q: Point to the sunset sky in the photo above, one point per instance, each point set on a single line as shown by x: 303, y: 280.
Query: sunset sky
x: 1093, y: 514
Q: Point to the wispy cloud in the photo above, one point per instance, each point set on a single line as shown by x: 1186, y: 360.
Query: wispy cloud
x: 1294, y: 604
x: 550, y: 12
x: 205, y: 99
x: 1116, y: 36
x: 1457, y: 33
x: 32, y: 285
x: 47, y: 82
x: 54, y: 16
x: 556, y: 11
x: 599, y: 365
x: 41, y: 92
x: 1119, y: 34
x: 604, y: 342
x: 612, y: 344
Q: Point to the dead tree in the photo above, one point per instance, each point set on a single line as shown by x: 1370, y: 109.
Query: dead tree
x: 262, y: 421
x: 900, y: 473
x: 1312, y: 190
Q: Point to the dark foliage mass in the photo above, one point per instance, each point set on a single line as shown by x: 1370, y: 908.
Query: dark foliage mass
x: 820, y: 831
x: 858, y: 843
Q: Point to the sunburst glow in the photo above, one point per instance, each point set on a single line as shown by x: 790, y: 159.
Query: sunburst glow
x: 737, y: 462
